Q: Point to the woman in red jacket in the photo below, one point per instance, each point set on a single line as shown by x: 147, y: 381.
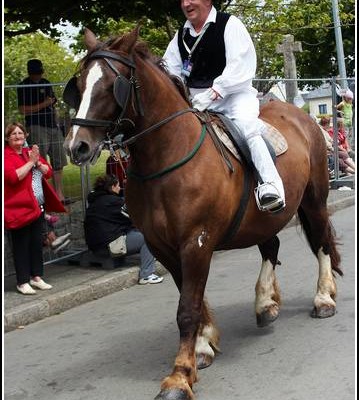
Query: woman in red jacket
x: 26, y: 192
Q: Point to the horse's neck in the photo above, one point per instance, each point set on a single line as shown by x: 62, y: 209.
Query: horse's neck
x: 161, y: 99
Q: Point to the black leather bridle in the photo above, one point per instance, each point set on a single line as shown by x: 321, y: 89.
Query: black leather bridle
x: 123, y: 89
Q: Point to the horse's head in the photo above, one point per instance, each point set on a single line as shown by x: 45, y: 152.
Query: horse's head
x: 101, y: 94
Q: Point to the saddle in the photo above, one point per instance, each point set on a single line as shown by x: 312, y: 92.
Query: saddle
x: 235, y: 142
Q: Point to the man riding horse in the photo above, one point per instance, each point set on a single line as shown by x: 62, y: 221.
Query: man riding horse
x: 215, y: 56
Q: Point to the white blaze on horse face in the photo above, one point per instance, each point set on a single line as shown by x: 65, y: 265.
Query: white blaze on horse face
x: 94, y: 75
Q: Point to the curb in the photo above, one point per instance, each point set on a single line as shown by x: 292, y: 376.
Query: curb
x: 59, y: 302
x: 64, y: 300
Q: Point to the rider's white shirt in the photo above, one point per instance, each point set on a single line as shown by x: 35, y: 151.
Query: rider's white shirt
x: 235, y: 82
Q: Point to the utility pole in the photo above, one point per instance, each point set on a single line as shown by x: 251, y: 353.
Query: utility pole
x: 287, y: 48
x: 339, y: 44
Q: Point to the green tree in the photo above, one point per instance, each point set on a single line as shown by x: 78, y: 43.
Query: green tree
x: 44, y: 14
x: 310, y: 22
x: 156, y: 37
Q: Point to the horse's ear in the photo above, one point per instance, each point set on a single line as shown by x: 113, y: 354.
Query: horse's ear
x: 128, y: 40
x: 90, y: 39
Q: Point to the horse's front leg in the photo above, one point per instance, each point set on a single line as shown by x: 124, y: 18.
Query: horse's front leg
x: 195, y: 267
x: 207, y: 342
x: 267, y: 289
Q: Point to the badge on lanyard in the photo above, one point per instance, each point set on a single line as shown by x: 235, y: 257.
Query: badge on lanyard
x: 187, y: 68
x: 187, y: 65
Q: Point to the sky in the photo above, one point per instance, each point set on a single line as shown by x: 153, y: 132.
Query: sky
x: 68, y: 31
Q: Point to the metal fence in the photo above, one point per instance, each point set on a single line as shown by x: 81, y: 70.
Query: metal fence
x: 77, y: 181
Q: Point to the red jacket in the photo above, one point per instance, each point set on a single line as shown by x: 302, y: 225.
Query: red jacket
x: 20, y: 204
x: 342, y: 139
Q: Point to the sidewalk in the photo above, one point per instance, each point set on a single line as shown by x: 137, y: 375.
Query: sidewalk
x: 74, y: 285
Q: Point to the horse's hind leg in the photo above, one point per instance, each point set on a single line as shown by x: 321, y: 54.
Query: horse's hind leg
x: 321, y: 238
x: 267, y: 290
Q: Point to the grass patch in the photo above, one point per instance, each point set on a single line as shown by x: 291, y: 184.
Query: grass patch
x: 72, y: 175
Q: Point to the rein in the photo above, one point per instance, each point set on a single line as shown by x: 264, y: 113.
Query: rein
x: 156, y: 126
x: 173, y: 166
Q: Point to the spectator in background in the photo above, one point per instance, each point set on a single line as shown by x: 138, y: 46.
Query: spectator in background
x: 346, y: 109
x: 26, y: 193
x: 117, y: 167
x: 324, y: 125
x: 346, y: 163
x: 36, y: 101
x: 106, y: 221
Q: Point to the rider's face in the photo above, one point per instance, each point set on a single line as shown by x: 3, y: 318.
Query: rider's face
x: 196, y: 11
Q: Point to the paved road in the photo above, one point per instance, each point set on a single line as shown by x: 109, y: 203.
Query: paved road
x: 121, y: 346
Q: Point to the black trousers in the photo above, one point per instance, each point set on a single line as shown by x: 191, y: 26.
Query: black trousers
x: 27, y: 250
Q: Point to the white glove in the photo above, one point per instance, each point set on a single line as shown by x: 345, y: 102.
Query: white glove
x: 201, y: 101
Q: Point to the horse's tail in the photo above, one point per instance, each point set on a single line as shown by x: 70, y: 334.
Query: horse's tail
x: 327, y: 239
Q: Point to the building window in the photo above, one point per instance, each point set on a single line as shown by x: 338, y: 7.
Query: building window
x: 323, y: 109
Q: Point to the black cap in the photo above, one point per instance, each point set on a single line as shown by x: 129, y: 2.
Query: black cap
x: 34, y: 66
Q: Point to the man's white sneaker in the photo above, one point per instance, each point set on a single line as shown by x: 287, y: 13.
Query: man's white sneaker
x: 25, y: 289
x: 150, y: 279
x: 40, y: 284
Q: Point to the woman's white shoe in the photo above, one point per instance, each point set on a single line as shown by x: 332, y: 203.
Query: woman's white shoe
x: 25, y: 289
x: 40, y: 284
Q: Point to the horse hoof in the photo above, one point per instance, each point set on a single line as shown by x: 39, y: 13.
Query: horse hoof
x: 323, y: 312
x: 204, y: 361
x: 173, y: 394
x: 266, y: 318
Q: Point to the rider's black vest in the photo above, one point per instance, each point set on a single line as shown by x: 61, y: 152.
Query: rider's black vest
x: 209, y: 57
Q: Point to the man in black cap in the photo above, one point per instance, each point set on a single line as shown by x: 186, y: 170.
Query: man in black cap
x: 36, y: 101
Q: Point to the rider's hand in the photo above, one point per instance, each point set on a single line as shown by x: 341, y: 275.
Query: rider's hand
x: 202, y: 101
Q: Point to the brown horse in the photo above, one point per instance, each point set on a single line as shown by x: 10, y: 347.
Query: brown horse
x: 183, y: 197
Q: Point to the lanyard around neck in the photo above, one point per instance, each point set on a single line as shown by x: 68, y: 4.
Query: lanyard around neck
x: 190, y: 51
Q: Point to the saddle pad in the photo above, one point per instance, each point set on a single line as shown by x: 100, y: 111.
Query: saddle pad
x: 272, y: 135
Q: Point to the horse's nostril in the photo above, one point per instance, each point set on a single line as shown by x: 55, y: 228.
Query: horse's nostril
x: 82, y: 148
x: 80, y: 153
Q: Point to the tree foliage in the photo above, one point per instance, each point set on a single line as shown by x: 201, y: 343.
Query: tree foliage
x: 43, y: 14
x: 311, y: 23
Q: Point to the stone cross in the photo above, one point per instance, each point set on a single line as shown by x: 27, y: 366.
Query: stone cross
x: 287, y: 48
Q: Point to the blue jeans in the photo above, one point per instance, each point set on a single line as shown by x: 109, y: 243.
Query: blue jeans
x: 135, y: 243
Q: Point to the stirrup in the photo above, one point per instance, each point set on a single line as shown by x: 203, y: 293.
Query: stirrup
x: 271, y: 202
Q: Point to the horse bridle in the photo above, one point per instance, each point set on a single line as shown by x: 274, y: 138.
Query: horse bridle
x: 128, y: 87
x: 122, y: 90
